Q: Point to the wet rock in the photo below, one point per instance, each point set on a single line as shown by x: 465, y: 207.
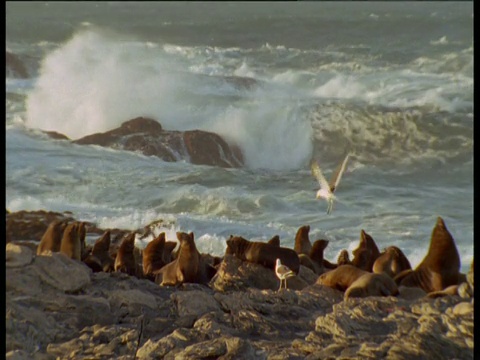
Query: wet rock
x: 14, y: 67
x: 146, y: 136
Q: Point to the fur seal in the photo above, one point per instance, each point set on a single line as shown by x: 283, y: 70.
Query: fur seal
x: 341, y: 278
x: 314, y: 260
x: 343, y: 258
x: 82, y: 232
x: 392, y: 261
x: 101, y: 252
x: 371, y: 284
x: 188, y: 267
x: 302, y: 241
x: 125, y: 259
x: 71, y: 245
x: 275, y: 241
x: 366, y: 253
x: 52, y: 238
x: 155, y: 256
x: 262, y: 253
x: 440, y: 268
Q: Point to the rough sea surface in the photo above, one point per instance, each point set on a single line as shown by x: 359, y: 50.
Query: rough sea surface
x: 390, y: 82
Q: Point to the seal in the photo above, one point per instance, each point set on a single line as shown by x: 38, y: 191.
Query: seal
x: 371, y: 284
x: 366, y: 253
x: 101, y: 251
x: 392, y: 261
x: 275, y: 241
x: 71, y: 245
x: 154, y: 257
x: 262, y: 253
x: 439, y: 268
x: 125, y: 259
x: 302, y: 241
x: 343, y: 258
x: 188, y: 267
x: 314, y: 260
x: 341, y: 278
x: 52, y: 238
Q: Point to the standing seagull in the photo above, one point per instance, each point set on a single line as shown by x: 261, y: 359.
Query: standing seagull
x: 283, y: 272
x: 326, y: 190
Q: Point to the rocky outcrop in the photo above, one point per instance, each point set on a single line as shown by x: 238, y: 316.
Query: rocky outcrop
x: 56, y: 307
x: 147, y: 136
x: 113, y: 315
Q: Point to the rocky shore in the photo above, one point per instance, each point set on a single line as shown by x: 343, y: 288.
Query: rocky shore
x: 58, y: 308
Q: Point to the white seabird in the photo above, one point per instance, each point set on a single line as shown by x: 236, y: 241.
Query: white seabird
x: 326, y: 190
x: 283, y: 272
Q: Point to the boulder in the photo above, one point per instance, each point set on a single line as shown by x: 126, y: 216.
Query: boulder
x: 147, y: 136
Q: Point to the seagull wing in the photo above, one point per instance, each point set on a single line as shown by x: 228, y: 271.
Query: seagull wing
x: 319, y: 176
x: 338, y: 174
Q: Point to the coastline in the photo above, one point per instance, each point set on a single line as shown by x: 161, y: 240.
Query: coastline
x: 102, y: 315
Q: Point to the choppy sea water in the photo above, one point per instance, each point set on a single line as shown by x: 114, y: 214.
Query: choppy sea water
x: 392, y: 83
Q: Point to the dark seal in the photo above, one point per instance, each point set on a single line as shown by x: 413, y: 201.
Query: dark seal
x: 262, y: 253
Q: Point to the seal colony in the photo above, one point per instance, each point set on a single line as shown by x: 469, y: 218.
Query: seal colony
x: 369, y: 273
x: 187, y: 304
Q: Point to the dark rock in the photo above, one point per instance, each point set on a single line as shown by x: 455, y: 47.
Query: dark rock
x: 56, y: 135
x: 14, y: 66
x: 146, y: 136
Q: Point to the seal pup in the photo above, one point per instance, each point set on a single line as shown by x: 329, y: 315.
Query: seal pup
x: 100, y: 251
x: 392, y: 261
x: 154, y: 256
x: 371, y: 284
x: 52, y: 238
x: 283, y: 273
x: 262, y: 253
x: 439, y: 268
x: 188, y: 267
x: 125, y: 259
x: 366, y: 253
x: 302, y: 241
x: 70, y: 244
x: 341, y: 278
x: 327, y: 189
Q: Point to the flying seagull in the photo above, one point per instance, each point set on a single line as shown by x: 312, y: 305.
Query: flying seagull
x: 327, y: 189
x: 283, y: 272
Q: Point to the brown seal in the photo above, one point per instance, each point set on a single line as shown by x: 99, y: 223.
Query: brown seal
x: 155, y: 256
x: 343, y: 258
x: 371, y: 284
x: 314, y: 260
x: 392, y: 262
x: 366, y: 253
x: 125, y: 259
x: 275, y: 241
x: 101, y: 252
x: 52, y: 238
x: 71, y: 244
x: 440, y: 268
x: 341, y: 278
x: 262, y: 253
x: 302, y: 241
x: 188, y: 267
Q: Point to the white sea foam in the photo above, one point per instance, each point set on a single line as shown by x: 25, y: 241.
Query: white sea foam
x: 96, y: 81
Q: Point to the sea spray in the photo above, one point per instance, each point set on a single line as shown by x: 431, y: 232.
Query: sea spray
x: 95, y: 81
